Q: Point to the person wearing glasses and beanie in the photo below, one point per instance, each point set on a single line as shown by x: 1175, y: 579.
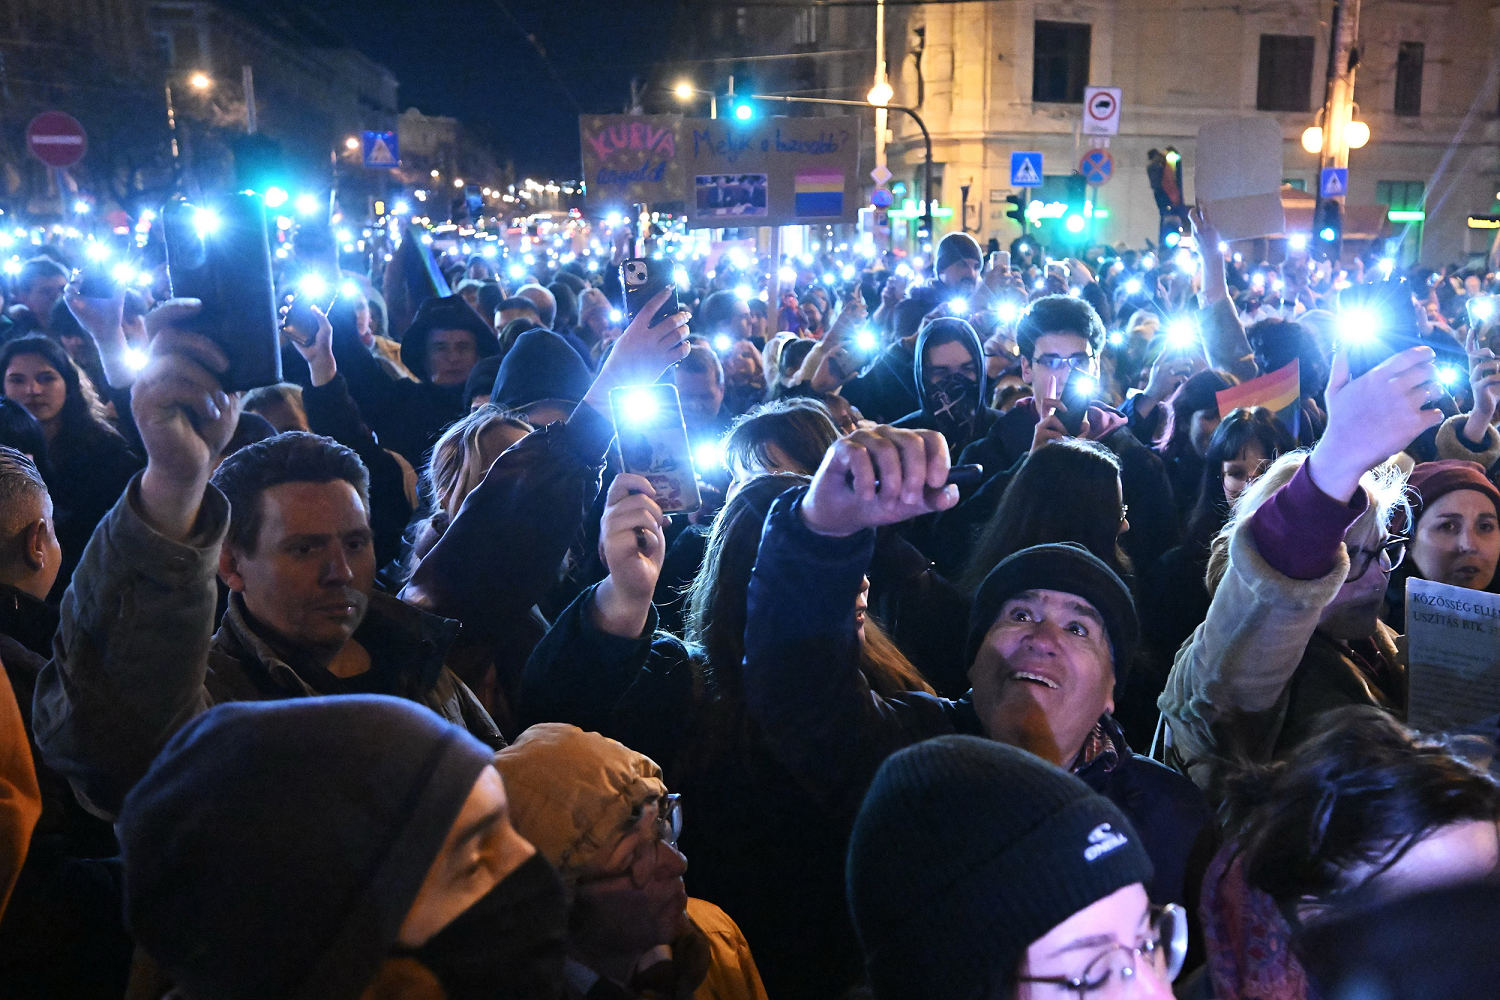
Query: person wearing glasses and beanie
x: 601, y: 814
x: 978, y: 871
x: 1298, y: 578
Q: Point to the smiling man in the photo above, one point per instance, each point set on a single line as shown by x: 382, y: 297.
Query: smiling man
x: 1046, y: 629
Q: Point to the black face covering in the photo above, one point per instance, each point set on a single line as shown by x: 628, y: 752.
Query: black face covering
x: 954, y: 401
x: 509, y: 945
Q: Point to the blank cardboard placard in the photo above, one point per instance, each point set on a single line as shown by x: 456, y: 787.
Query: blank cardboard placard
x: 1238, y: 177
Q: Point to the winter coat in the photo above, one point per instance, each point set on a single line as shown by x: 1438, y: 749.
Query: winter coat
x: 137, y: 657
x: 887, y: 389
x: 88, y: 470
x: 827, y: 727
x: 756, y: 838
x: 930, y: 414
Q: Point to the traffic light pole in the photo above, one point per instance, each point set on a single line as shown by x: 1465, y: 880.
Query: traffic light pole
x: 926, y: 142
x: 1338, y: 98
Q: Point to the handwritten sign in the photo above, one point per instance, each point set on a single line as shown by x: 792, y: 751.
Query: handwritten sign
x: 631, y: 158
x: 772, y: 171
x: 1453, y: 656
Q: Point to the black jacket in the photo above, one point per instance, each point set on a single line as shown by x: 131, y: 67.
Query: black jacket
x: 931, y: 414
x: 887, y: 390
x: 829, y: 729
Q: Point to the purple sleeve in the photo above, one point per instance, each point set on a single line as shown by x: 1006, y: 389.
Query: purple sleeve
x: 1299, y: 530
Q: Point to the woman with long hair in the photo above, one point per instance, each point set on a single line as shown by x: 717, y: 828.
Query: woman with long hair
x: 757, y: 838
x: 90, y: 462
x: 1192, y: 416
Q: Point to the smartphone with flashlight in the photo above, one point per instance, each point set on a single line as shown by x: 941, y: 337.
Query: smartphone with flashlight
x: 1077, y: 394
x: 1376, y: 322
x: 218, y: 253
x: 643, y: 279
x: 1000, y: 260
x: 653, y: 442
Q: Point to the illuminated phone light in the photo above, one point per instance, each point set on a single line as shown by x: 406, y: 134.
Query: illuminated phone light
x: 1008, y: 312
x: 349, y: 289
x: 849, y: 272
x: 389, y: 258
x: 1133, y: 286
x: 1075, y: 292
x: 788, y: 275
x: 144, y: 279
x: 829, y: 280
x: 1297, y: 242
x: 206, y: 221
x: 1117, y: 339
x: 615, y: 316
x: 1278, y: 284
x: 708, y: 455
x: 1184, y: 260
x: 722, y: 343
x: 314, y: 284
x: 1224, y: 248
x: 639, y: 407
x: 349, y: 248
x: 866, y: 340
x: 123, y: 274
x: 345, y: 236
x: 744, y: 293
x: 427, y: 239
x: 96, y: 251
x: 1448, y: 376
x: 489, y: 250
x: 1083, y: 385
x: 401, y: 208
x: 1482, y: 309
x: 135, y: 358
x: 307, y: 204
x: 516, y: 271
x: 958, y: 307
x: 680, y: 278
x: 1040, y: 284
x: 1359, y: 325
x: 593, y: 265
x: 1182, y: 333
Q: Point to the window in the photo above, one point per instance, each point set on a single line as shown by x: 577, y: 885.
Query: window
x: 1060, y: 62
x: 1295, y: 183
x: 1409, y: 78
x: 1286, y: 66
x: 805, y: 27
x: 1401, y: 196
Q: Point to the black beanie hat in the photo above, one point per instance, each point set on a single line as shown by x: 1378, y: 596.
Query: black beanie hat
x: 541, y: 365
x: 274, y: 848
x: 482, y: 377
x: 449, y: 313
x: 964, y: 852
x: 955, y: 247
x: 1066, y: 567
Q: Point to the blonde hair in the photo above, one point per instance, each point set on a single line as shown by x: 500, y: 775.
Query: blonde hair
x: 459, y: 462
x: 1384, y: 486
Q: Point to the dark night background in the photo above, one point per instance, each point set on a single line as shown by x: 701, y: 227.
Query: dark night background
x: 469, y: 60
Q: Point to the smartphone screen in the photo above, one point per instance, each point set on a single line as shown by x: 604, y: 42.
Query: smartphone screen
x: 643, y: 279
x: 218, y: 253
x: 1075, y: 402
x: 653, y: 443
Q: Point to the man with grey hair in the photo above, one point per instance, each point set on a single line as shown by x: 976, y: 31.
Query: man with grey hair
x: 545, y: 302
x: 29, y: 560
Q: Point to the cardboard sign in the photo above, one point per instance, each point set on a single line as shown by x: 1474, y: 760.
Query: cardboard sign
x: 770, y: 172
x: 629, y: 159
x: 1453, y: 656
x: 1237, y: 178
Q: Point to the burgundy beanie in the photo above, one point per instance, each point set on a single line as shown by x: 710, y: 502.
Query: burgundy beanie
x: 1431, y: 480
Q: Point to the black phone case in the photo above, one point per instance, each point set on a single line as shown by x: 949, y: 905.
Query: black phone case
x: 1077, y: 407
x: 230, y: 271
x: 644, y: 278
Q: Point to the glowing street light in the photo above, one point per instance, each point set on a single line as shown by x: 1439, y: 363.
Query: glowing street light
x: 351, y: 143
x: 200, y: 81
x: 880, y: 95
x: 684, y: 90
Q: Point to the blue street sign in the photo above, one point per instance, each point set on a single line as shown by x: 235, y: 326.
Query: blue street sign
x: 381, y: 150
x: 1096, y: 166
x: 1026, y: 170
x: 1334, y: 182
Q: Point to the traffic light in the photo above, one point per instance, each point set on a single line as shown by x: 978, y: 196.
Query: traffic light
x: 741, y: 110
x: 1074, y: 220
x: 1171, y: 231
x: 1017, y: 211
x: 1328, y: 230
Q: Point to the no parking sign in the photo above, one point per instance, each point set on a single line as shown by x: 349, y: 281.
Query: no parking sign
x: 1096, y: 166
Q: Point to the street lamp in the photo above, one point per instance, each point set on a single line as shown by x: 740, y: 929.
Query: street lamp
x: 685, y: 91
x: 881, y: 94
x: 200, y: 81
x: 351, y: 144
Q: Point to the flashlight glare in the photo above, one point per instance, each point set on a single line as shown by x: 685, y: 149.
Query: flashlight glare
x: 1181, y: 334
x: 135, y: 358
x: 1448, y: 376
x: 639, y: 407
x: 1482, y: 309
x: 708, y: 455
x: 866, y: 340
x: 1358, y: 326
x: 1008, y: 312
x: 206, y: 221
x: 313, y: 284
x: 958, y: 307
x: 722, y: 343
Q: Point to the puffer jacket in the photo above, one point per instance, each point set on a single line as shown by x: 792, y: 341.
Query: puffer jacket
x: 137, y: 657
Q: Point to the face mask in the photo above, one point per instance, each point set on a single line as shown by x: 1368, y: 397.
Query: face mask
x: 509, y: 945
x: 954, y: 400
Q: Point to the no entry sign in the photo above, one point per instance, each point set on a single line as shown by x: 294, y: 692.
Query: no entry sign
x: 56, y: 139
x: 1101, y: 110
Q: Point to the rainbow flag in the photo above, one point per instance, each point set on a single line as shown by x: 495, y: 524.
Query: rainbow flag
x: 1280, y: 392
x: 819, y: 193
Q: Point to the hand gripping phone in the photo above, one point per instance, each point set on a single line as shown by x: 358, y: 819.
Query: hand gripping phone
x: 643, y: 279
x: 653, y: 442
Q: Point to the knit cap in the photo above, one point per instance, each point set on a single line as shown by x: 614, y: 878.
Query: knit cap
x: 1068, y: 568
x: 955, y: 247
x: 964, y: 852
x: 573, y: 794
x: 274, y: 848
x: 1430, y: 481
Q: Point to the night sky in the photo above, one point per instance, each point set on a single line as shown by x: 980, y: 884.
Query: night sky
x: 468, y: 60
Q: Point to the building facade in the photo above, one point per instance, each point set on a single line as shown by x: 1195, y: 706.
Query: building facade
x: 995, y: 78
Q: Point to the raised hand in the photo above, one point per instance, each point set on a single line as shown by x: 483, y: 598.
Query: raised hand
x: 184, y: 416
x: 1372, y: 417
x: 103, y: 321
x: 642, y: 352
x: 879, y: 476
x: 318, y: 352
x: 632, y: 545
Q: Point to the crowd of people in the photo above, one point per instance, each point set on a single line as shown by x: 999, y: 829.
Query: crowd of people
x: 1000, y: 660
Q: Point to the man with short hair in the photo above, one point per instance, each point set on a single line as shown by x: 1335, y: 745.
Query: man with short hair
x: 600, y: 813
x: 137, y: 656
x: 1060, y: 339
x: 514, y: 308
x: 1048, y: 628
x: 545, y: 302
x: 39, y: 287
x: 29, y: 560
x: 699, y: 378
x: 726, y: 313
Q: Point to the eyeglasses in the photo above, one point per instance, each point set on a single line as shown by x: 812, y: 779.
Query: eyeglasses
x: 1391, y: 553
x: 1057, y: 363
x: 1110, y: 972
x: 668, y: 827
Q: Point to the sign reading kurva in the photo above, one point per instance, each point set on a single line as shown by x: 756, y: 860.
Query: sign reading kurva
x: 631, y: 158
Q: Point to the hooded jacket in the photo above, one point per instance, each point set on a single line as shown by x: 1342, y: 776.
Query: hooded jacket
x: 939, y: 412
x: 540, y: 366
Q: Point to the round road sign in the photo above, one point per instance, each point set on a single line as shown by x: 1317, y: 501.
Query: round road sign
x: 1096, y: 166
x: 881, y: 198
x: 1102, y: 106
x: 56, y: 139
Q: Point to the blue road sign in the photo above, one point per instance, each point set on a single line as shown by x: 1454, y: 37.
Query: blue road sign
x: 381, y: 150
x: 1026, y: 170
x: 1334, y: 183
x: 1096, y: 166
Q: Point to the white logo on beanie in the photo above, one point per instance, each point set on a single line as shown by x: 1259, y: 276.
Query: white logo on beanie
x: 1102, y: 840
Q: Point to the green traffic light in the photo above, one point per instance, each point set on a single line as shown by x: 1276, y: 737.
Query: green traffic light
x: 1172, y: 157
x: 1327, y: 234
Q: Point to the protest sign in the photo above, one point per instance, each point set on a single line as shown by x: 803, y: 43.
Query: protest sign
x: 1237, y: 178
x: 1453, y: 656
x: 770, y: 171
x: 631, y: 159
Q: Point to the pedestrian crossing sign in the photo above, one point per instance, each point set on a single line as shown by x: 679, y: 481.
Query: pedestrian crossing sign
x: 1025, y: 169
x: 1335, y: 182
x: 381, y: 150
